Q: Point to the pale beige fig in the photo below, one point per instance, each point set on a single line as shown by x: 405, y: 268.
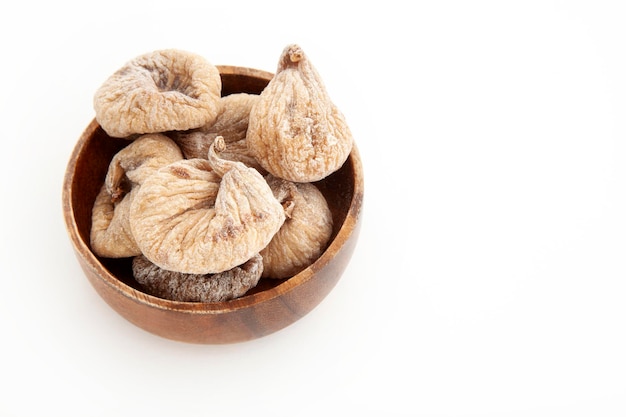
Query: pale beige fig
x: 157, y: 92
x: 295, y: 130
x: 207, y: 288
x: 135, y: 162
x: 304, y: 235
x: 231, y: 123
x: 238, y: 151
x: 200, y: 216
x: 111, y: 235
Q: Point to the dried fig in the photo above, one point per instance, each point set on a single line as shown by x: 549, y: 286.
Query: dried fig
x: 135, y: 162
x: 204, y: 216
x: 111, y: 235
x: 295, y: 131
x: 159, y: 91
x: 305, y: 233
x: 207, y: 288
x: 231, y: 123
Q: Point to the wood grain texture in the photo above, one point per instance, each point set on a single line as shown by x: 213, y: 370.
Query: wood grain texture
x: 273, y: 305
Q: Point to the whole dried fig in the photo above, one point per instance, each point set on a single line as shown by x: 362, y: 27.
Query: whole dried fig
x: 135, y: 162
x: 111, y: 235
x: 207, y: 288
x: 295, y: 131
x: 159, y: 91
x: 306, y: 231
x: 204, y: 216
x: 231, y: 123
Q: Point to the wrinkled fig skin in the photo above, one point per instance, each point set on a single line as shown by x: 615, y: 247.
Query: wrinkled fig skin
x: 306, y: 231
x: 295, y: 131
x: 135, y: 162
x: 231, y: 123
x: 207, y: 288
x: 157, y: 92
x: 204, y: 216
x: 111, y: 235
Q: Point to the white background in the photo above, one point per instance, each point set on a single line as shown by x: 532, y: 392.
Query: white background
x: 489, y: 278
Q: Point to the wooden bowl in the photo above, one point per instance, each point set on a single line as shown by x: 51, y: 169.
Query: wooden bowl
x: 271, y: 306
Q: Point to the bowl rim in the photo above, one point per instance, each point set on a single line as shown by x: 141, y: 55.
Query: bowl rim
x: 246, y: 301
x: 244, y: 71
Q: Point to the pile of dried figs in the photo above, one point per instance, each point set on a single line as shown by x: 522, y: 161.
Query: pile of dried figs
x: 213, y: 193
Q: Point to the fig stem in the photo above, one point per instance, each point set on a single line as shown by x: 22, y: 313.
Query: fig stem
x: 220, y: 165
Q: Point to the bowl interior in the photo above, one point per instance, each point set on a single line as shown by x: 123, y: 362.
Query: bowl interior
x: 93, y: 155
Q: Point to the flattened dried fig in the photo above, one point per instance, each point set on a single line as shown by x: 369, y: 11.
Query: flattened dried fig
x: 159, y: 91
x: 207, y: 288
x: 295, y: 131
x: 306, y: 231
x: 231, y: 123
x: 111, y: 235
x: 204, y: 216
x: 135, y: 162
